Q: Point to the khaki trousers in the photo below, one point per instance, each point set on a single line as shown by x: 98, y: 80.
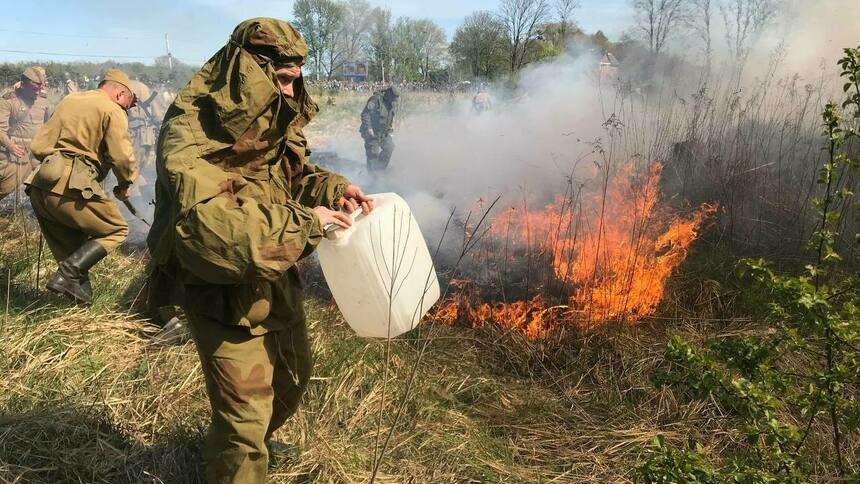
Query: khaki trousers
x: 12, y: 175
x: 67, y: 222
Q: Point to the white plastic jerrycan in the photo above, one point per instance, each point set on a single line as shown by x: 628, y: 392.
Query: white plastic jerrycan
x: 379, y: 270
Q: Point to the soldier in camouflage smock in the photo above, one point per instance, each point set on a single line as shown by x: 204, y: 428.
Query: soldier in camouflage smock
x: 237, y: 205
x: 22, y: 112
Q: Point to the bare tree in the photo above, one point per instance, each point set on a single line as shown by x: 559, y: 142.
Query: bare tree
x: 432, y: 46
x: 564, y: 11
x: 744, y: 21
x: 657, y: 20
x: 417, y: 48
x: 357, y: 22
x: 522, y: 19
x: 701, y: 18
x: 319, y: 22
x: 335, y: 52
x: 379, y: 42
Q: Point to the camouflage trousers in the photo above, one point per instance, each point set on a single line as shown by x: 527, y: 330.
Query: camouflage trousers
x: 255, y: 383
x: 378, y: 151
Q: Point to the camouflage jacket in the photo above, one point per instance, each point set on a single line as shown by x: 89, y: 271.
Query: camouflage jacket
x: 235, y: 191
x: 377, y: 115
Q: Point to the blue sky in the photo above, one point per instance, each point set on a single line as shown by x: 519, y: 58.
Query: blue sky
x: 135, y: 30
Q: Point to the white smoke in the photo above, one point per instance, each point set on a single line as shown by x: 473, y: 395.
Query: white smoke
x: 526, y: 144
x: 530, y: 142
x: 813, y: 34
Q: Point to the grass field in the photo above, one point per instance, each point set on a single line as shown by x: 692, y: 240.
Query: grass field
x: 87, y: 396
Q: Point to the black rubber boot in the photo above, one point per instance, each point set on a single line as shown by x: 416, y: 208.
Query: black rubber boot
x: 72, y: 278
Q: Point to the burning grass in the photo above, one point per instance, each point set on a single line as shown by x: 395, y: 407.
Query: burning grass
x: 590, y: 256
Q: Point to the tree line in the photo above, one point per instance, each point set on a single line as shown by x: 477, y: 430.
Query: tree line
x: 162, y: 73
x: 487, y: 45
x: 493, y: 44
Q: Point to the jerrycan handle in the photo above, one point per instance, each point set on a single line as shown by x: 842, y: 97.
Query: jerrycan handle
x: 336, y: 232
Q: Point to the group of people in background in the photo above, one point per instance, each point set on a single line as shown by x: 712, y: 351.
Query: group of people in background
x: 333, y: 86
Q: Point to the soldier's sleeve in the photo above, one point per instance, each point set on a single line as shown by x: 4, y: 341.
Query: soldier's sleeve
x: 45, y: 138
x: 117, y: 141
x: 230, y: 239
x: 221, y: 236
x: 320, y: 187
x: 367, y: 112
x: 5, y: 113
x: 316, y: 185
x: 391, y: 113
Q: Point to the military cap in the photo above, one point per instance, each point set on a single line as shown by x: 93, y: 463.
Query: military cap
x: 121, y: 77
x: 35, y: 74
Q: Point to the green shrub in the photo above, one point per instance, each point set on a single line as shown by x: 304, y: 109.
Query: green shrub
x: 792, y: 386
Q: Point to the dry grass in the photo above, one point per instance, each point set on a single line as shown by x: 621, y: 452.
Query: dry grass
x: 86, y: 396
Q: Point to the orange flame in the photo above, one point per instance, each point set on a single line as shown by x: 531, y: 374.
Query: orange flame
x: 612, y: 252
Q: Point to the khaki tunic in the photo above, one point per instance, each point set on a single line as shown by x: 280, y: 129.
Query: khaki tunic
x: 142, y: 128
x: 20, y: 118
x: 85, y: 139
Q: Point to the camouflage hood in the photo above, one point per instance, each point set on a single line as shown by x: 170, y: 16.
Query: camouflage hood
x: 239, y: 81
x: 235, y: 191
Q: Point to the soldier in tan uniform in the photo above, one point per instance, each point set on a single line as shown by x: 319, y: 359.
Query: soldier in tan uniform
x: 237, y: 205
x: 482, y: 102
x: 85, y: 138
x: 143, y: 125
x: 22, y: 112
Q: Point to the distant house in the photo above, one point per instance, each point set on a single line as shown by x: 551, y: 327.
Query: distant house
x: 353, y: 71
x: 609, y: 67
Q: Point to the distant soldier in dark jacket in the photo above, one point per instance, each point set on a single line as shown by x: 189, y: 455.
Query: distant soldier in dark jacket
x: 377, y: 123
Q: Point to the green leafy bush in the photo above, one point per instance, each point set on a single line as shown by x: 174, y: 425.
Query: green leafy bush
x: 791, y: 386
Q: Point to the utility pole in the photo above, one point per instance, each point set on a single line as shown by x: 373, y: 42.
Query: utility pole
x: 169, y: 55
